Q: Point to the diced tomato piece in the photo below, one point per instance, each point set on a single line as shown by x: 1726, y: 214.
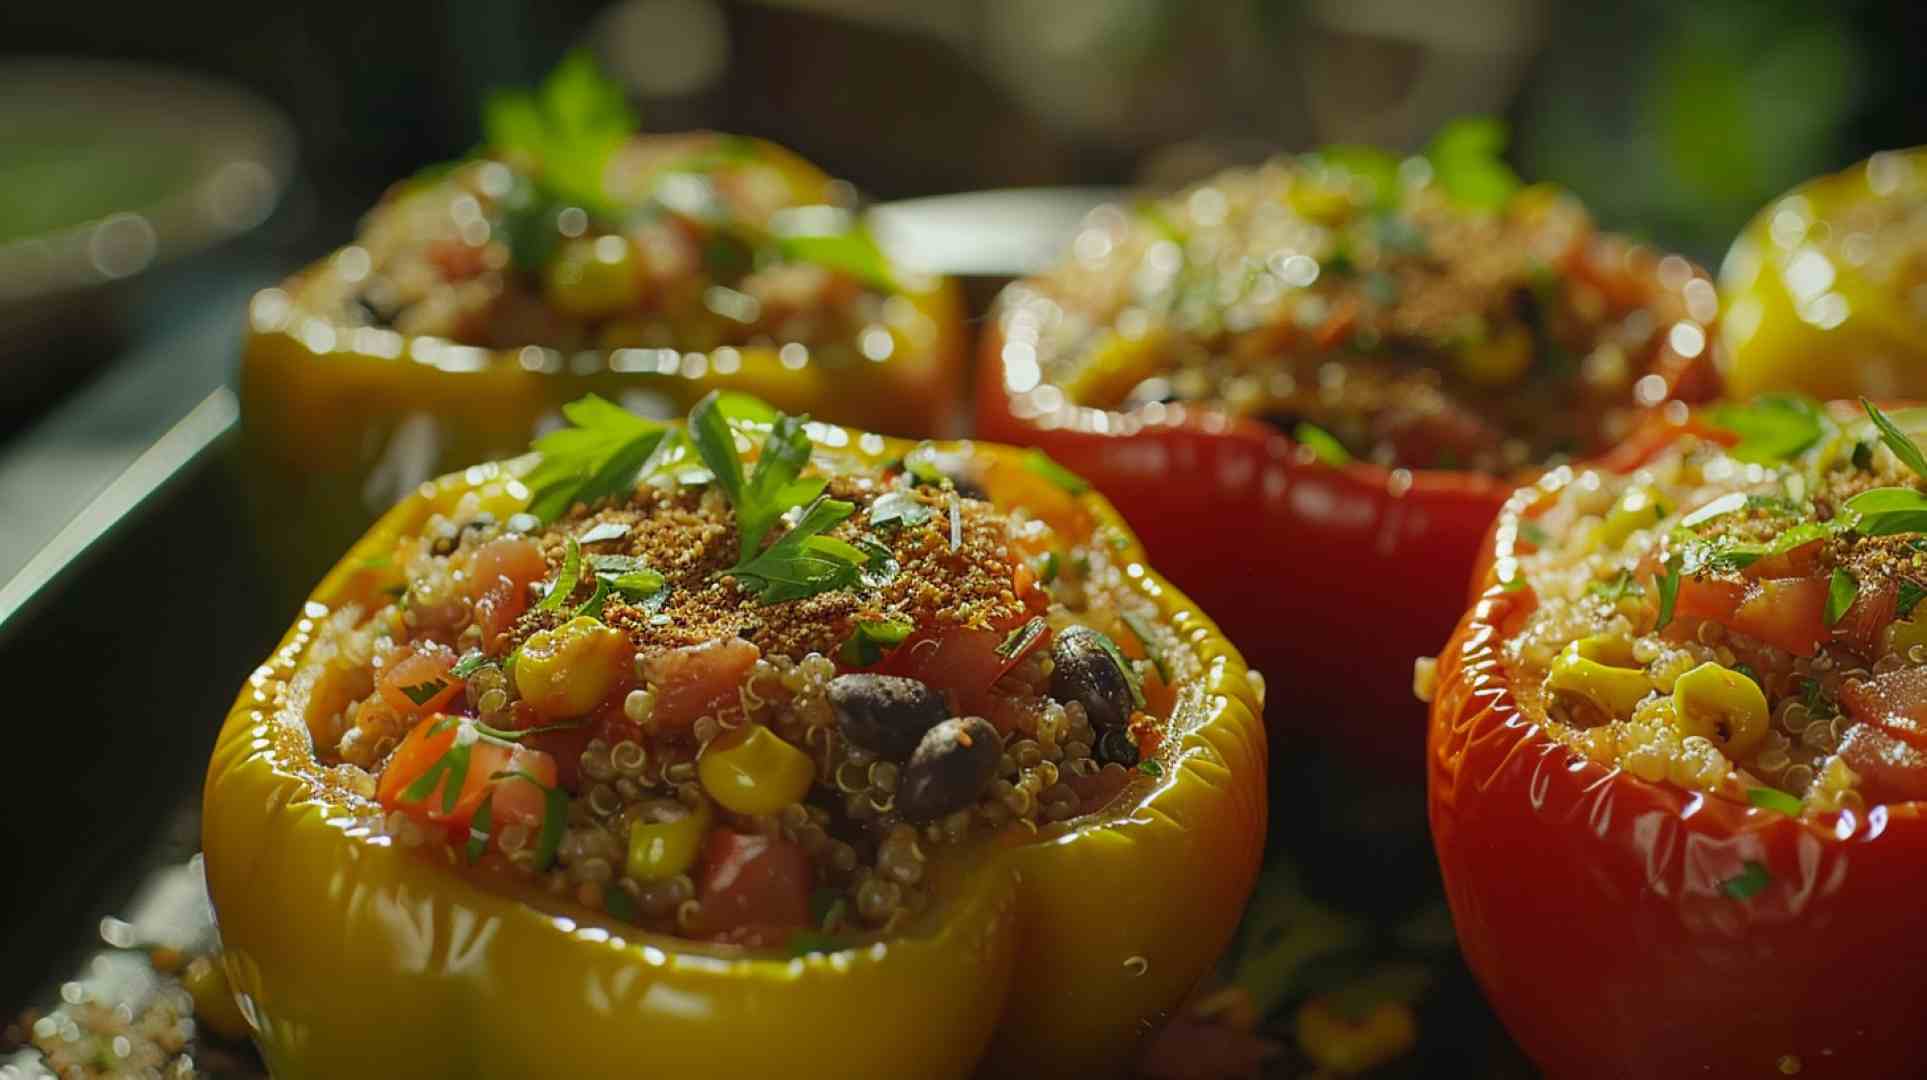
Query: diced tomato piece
x: 1890, y: 770
x: 1786, y: 612
x: 755, y: 890
x: 1803, y: 561
x: 698, y: 680
x: 961, y: 661
x: 457, y: 259
x: 498, y: 580
x: 1708, y: 598
x: 418, y: 680
x: 428, y: 747
x: 1873, y: 608
x: 1895, y: 702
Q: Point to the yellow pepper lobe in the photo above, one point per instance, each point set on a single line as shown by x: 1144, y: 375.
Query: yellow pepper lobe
x: 567, y: 671
x: 755, y: 772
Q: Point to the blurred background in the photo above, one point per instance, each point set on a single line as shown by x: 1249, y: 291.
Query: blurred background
x: 123, y: 633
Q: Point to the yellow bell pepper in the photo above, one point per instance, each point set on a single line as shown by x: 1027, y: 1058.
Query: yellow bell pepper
x: 340, y: 422
x: 348, y: 953
x: 1817, y: 300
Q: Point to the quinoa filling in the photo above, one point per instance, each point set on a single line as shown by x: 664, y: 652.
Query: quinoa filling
x: 1426, y: 313
x: 572, y: 232
x: 1741, y: 614
x: 633, y: 710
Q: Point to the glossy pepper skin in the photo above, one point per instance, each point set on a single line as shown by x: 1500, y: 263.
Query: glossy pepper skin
x: 1808, y: 310
x: 338, y: 425
x: 1039, y: 959
x: 1590, y: 903
x: 1296, y: 558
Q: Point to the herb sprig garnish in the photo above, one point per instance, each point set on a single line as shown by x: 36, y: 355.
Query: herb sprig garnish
x: 567, y: 129
x: 803, y: 561
x: 871, y: 638
x: 1896, y: 439
x: 598, y: 457
x: 1842, y: 589
x: 1772, y: 428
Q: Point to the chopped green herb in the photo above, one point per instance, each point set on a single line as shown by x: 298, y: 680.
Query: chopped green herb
x: 1767, y: 798
x: 1748, y: 883
x: 1047, y: 567
x: 592, y: 607
x: 854, y: 253
x: 1150, y: 768
x: 1896, y: 439
x: 1772, y: 428
x: 422, y: 693
x: 879, y: 564
x: 555, y: 815
x: 898, y: 508
x: 1908, y: 597
x: 1045, y: 466
x: 598, y: 457
x: 480, y: 827
x: 540, y: 729
x: 1841, y: 591
x: 1019, y: 641
x: 1534, y: 533
x: 1668, y: 593
x: 470, y: 663
x: 453, y: 764
x: 1153, y: 214
x: 773, y: 487
x: 1323, y: 444
x: 801, y: 562
x: 567, y: 129
x: 1622, y: 585
x: 1467, y: 163
x: 1814, y: 696
x: 922, y: 468
x: 1747, y: 670
x: 872, y: 638
x: 1146, y: 635
x: 565, y: 580
x: 607, y: 530
x: 620, y: 904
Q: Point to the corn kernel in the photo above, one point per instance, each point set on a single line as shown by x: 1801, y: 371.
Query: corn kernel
x: 663, y: 848
x: 567, y: 671
x: 755, y: 772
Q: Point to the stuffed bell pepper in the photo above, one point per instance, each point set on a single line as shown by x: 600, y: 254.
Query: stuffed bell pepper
x: 1826, y: 289
x: 745, y: 747
x: 1321, y: 372
x: 1679, y: 751
x: 573, y: 255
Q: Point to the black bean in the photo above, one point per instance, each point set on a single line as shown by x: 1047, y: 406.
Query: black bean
x: 953, y: 764
x: 885, y: 713
x: 1117, y: 745
x: 1086, y: 672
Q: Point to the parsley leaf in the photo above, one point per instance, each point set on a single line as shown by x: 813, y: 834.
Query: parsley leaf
x: 1668, y: 593
x: 1767, y: 798
x: 566, y: 130
x: 565, y: 580
x: 628, y: 575
x: 1772, y: 428
x: 1748, y: 883
x: 1150, y: 768
x: 1466, y: 161
x: 453, y: 764
x: 801, y: 562
x: 620, y: 904
x: 871, y: 637
x: 1045, y: 466
x: 1896, y: 439
x: 480, y: 827
x: 1841, y: 592
x: 600, y: 456
x: 773, y: 487
x: 1323, y: 444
